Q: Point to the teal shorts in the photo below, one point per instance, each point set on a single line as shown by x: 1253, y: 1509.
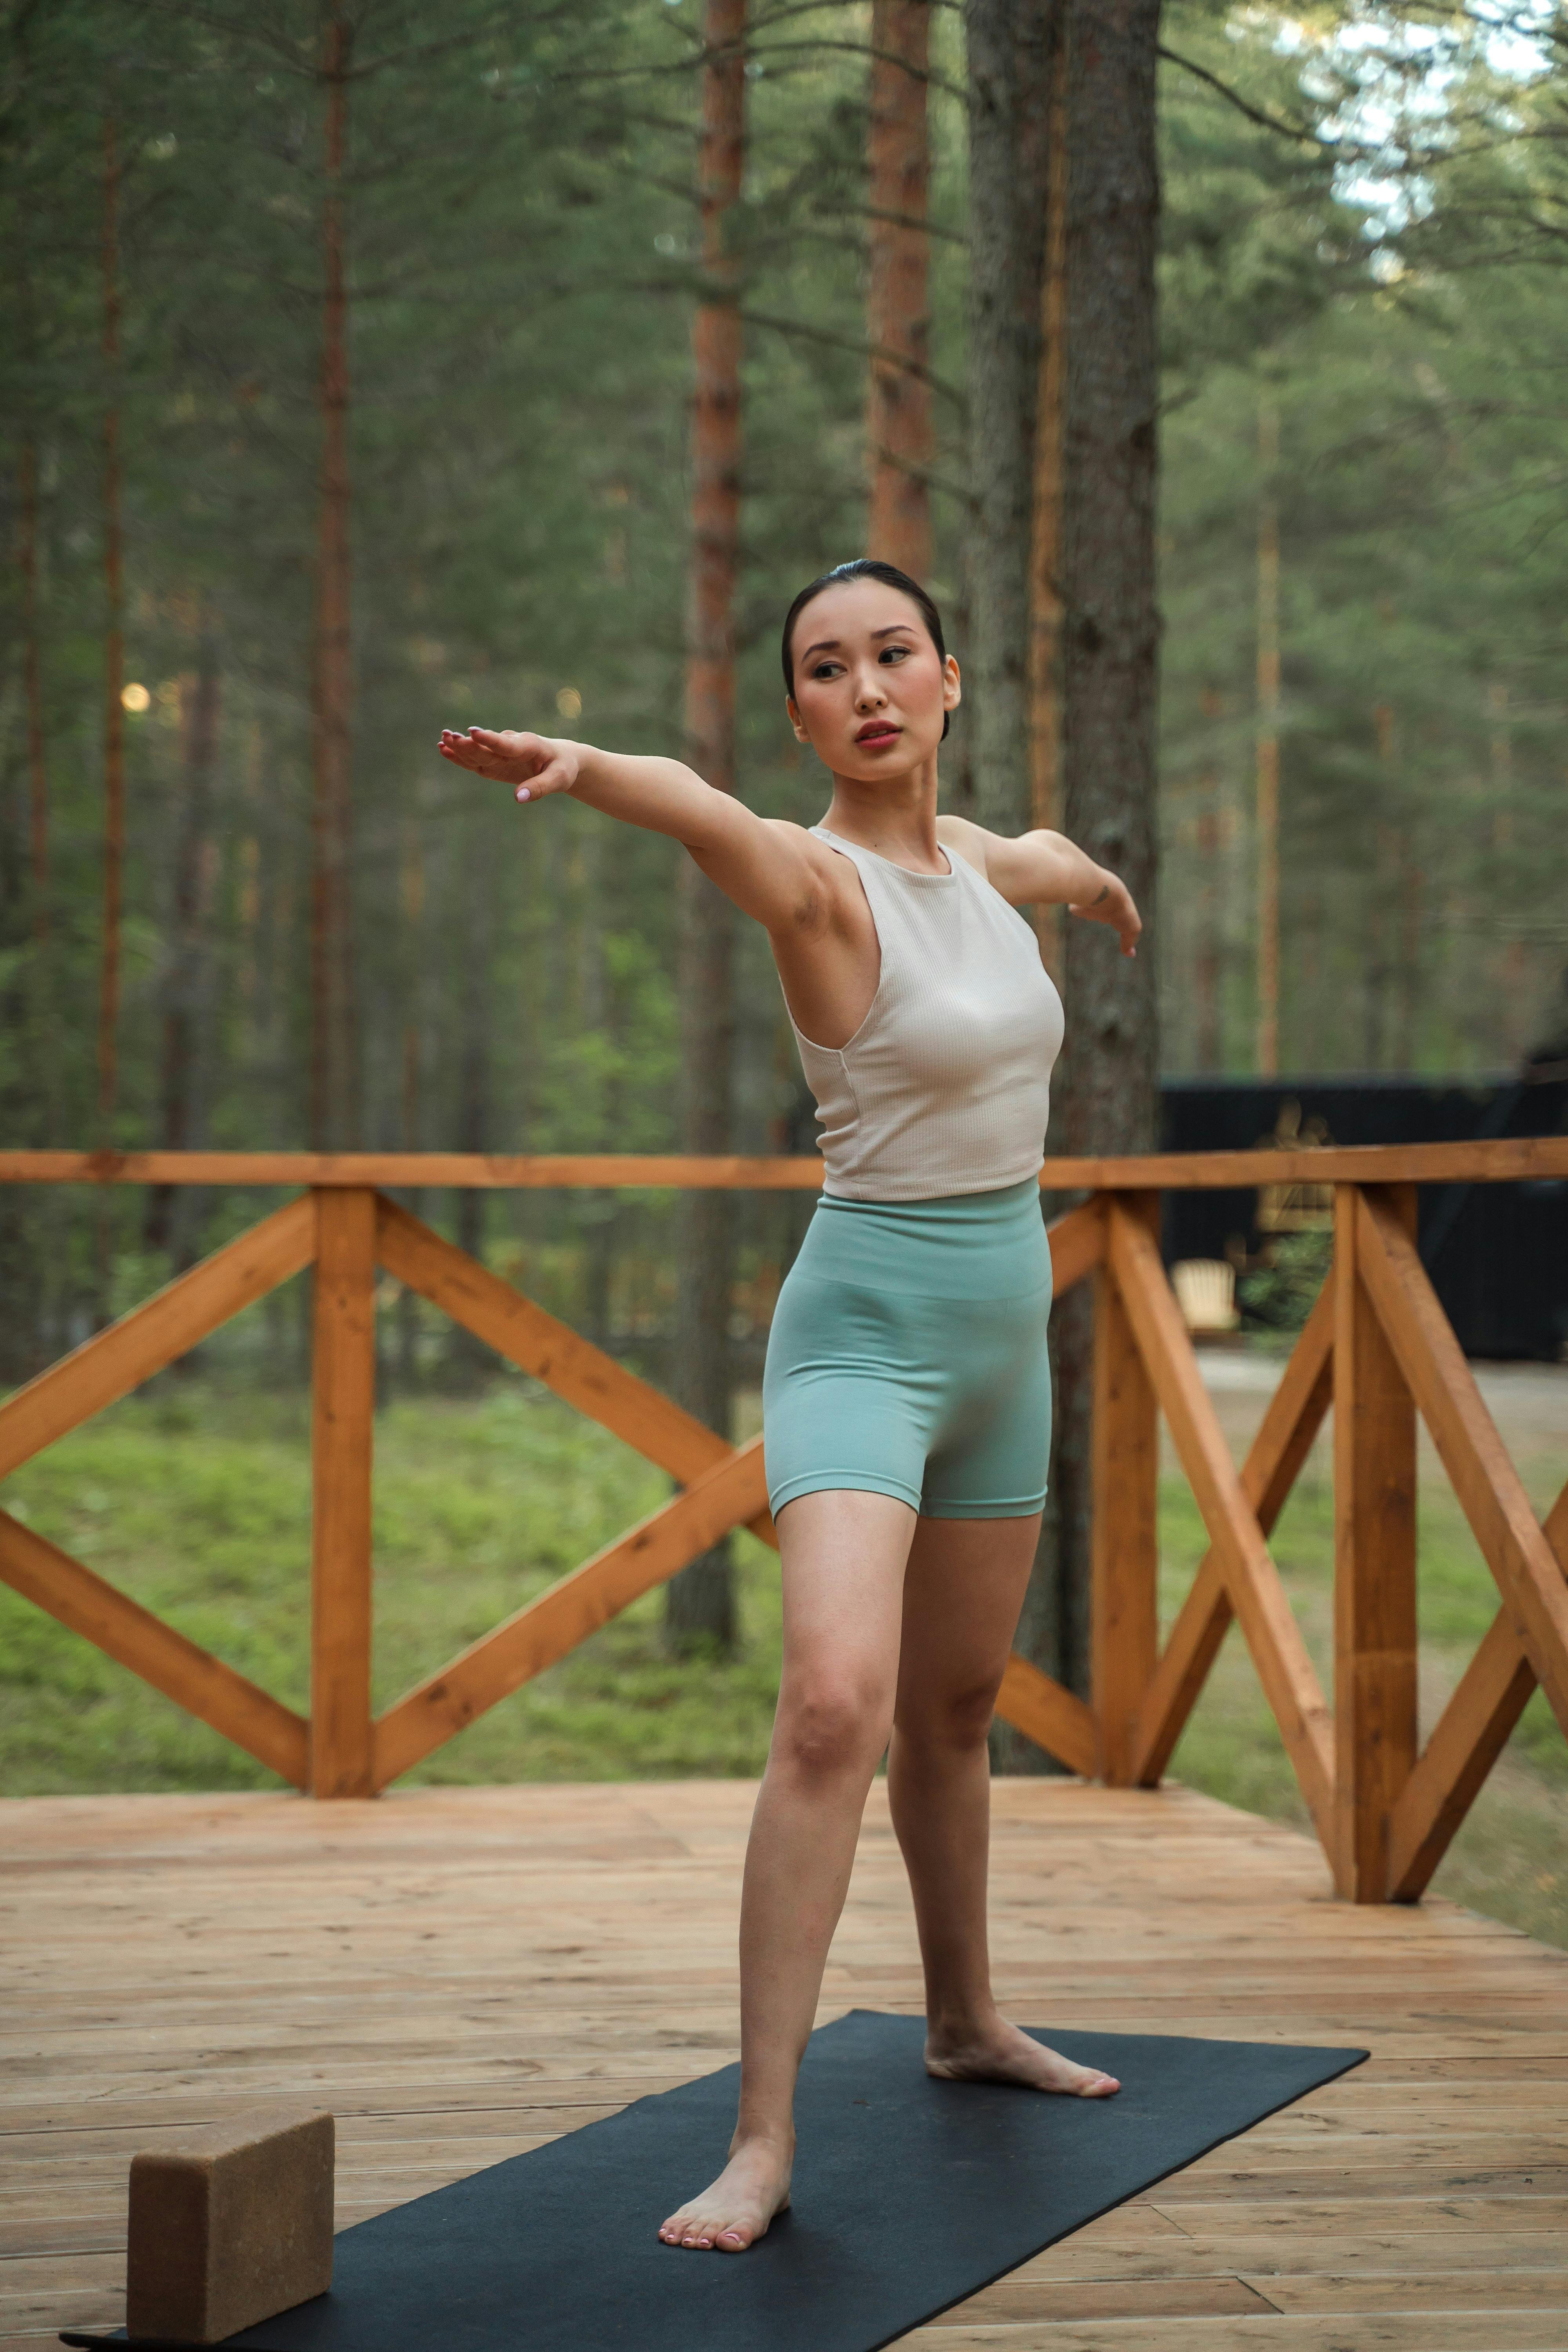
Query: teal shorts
x: 908, y: 1356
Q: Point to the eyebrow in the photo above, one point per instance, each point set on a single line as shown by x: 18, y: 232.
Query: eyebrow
x: 831, y: 645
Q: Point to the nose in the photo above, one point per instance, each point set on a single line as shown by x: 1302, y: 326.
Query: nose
x: 869, y: 691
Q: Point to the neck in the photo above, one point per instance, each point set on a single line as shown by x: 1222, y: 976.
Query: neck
x: 896, y: 816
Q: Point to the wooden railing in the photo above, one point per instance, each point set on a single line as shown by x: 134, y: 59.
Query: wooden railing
x: 1376, y: 1346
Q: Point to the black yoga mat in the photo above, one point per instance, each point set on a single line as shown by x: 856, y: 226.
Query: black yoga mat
x: 909, y: 2195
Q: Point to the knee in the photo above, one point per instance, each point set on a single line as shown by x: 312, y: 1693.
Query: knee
x: 831, y: 1730
x: 950, y: 1720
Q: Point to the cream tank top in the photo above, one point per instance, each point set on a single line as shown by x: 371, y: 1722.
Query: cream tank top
x: 945, y: 1086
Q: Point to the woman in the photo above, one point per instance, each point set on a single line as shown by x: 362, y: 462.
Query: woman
x: 906, y: 1399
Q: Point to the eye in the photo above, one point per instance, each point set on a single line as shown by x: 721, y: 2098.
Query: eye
x: 827, y: 669
x: 894, y: 654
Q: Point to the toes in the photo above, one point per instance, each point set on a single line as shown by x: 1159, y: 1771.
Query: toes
x: 735, y: 2240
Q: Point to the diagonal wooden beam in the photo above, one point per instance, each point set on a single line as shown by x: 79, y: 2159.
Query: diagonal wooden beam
x: 112, y: 1362
x: 1289, y: 1681
x: 726, y: 1496
x: 1055, y: 1718
x: 1273, y: 1464
x: 1077, y: 1245
x: 41, y: 1572
x: 1467, y: 1740
x: 1528, y: 1575
x: 589, y: 1380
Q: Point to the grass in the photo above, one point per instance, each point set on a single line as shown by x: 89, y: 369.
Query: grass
x: 196, y: 1499
x: 198, y: 1505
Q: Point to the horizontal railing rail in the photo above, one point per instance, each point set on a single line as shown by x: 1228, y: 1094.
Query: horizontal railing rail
x: 1501, y: 1159
x: 1377, y: 1347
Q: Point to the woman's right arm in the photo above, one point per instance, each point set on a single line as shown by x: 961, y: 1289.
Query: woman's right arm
x: 764, y: 866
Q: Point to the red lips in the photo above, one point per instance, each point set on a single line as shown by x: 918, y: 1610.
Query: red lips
x: 878, y: 730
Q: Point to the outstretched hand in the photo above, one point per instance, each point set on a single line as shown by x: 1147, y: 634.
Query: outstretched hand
x: 1114, y: 906
x: 533, y: 765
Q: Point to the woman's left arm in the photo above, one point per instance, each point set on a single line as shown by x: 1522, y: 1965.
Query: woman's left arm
x: 1045, y: 869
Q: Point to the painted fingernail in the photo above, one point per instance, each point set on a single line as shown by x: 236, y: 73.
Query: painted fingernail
x: 522, y: 793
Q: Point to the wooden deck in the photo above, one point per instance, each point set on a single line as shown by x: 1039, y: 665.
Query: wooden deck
x: 464, y: 1973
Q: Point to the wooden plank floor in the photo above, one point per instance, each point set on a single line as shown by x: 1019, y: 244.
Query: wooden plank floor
x: 461, y: 1973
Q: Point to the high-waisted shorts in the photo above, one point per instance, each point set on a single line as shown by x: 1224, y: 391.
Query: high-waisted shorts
x: 908, y: 1356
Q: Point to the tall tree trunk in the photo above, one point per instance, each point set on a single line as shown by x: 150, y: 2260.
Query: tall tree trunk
x: 170, y: 1209
x: 41, y: 1015
x: 411, y: 895
x: 113, y: 711
x: 1015, y: 131
x: 1110, y: 1094
x: 33, y: 690
x: 699, y: 1602
x: 471, y: 1361
x: 113, y: 649
x: 1045, y: 604
x: 898, y: 410
x: 1207, y: 1054
x: 334, y: 1106
x: 1011, y: 44
x: 1267, y: 802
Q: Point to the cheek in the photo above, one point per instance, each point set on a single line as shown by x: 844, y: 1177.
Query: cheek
x: 922, y: 687
x: 815, y: 703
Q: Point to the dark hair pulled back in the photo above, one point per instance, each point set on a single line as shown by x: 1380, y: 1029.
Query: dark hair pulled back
x: 865, y: 567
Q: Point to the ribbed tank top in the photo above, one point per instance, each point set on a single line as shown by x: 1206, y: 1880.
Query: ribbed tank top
x: 945, y: 1086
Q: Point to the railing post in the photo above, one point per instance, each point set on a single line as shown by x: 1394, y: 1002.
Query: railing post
x: 1124, y: 1614
x: 1375, y: 1566
x: 342, y: 1410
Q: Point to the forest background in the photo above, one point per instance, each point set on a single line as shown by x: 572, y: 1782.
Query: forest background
x: 1362, y: 573
x: 1361, y: 263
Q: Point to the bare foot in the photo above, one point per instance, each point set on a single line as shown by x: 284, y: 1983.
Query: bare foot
x: 737, y: 2208
x: 1004, y: 2054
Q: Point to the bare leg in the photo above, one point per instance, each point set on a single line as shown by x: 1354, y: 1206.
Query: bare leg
x: 843, y: 1558
x: 962, y: 1591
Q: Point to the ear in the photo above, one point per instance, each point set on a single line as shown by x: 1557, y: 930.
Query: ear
x: 792, y: 714
x: 952, y: 684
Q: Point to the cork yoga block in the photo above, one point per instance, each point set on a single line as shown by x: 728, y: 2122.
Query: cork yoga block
x: 229, y: 2225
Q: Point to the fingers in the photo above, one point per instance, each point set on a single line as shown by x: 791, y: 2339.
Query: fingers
x: 552, y: 779
x: 532, y: 764
x: 1128, y: 931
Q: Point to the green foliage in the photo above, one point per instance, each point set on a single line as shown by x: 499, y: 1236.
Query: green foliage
x: 1280, y: 1296
x: 521, y: 236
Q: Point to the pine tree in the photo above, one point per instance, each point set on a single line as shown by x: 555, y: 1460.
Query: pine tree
x: 701, y: 1599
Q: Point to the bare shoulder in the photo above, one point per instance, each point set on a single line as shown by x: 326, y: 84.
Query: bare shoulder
x: 970, y: 842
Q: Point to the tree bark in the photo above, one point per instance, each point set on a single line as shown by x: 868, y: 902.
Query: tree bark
x: 334, y: 1111
x: 1268, y: 802
x: 899, y: 410
x: 469, y: 1358
x: 33, y: 690
x: 170, y: 1209
x: 1011, y: 44
x: 1109, y: 1096
x: 700, y: 1602
x: 113, y: 649
x: 1046, y: 554
x: 1015, y: 130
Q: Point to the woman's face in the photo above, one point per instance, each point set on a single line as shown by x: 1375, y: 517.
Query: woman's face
x: 871, y: 692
